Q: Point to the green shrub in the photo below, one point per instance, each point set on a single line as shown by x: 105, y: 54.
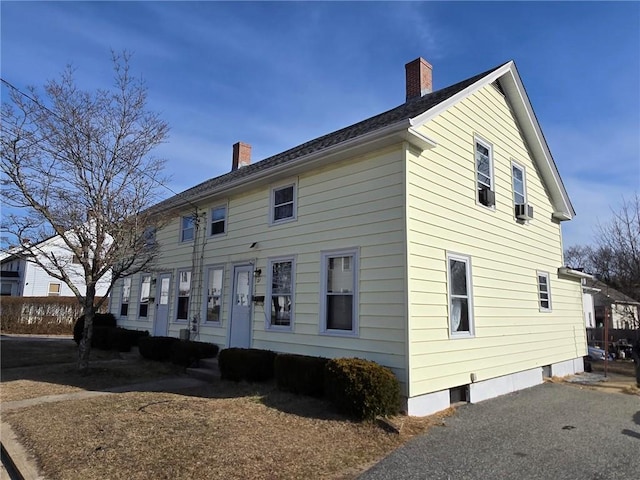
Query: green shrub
x: 187, y: 353
x: 300, y: 374
x: 248, y: 364
x: 156, y: 348
x: 100, y: 338
x: 99, y: 320
x: 361, y: 388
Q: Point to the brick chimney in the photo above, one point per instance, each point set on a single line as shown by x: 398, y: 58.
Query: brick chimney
x: 241, y: 155
x: 418, y: 75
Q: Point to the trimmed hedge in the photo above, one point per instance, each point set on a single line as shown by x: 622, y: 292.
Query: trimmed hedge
x: 99, y: 320
x: 248, y: 364
x: 362, y: 388
x: 187, y: 352
x: 116, y: 338
x: 156, y: 348
x: 300, y: 374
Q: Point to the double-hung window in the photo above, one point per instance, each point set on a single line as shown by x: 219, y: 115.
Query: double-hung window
x: 460, y: 295
x: 544, y: 292
x: 145, y: 291
x: 218, y: 220
x: 484, y: 173
x: 126, y: 294
x: 214, y: 294
x: 184, y: 293
x: 339, y: 294
x: 517, y: 179
x: 54, y: 289
x: 280, y: 293
x: 187, y: 228
x: 283, y: 203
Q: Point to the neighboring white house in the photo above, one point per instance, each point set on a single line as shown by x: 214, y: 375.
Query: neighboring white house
x: 21, y: 277
x: 426, y: 238
x: 607, y: 302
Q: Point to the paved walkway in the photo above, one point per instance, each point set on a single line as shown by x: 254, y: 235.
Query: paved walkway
x: 551, y: 431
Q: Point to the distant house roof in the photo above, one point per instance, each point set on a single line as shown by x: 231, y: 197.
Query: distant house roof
x: 609, y: 294
x: 412, y: 112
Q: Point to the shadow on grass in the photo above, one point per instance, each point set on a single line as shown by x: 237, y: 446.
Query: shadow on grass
x: 51, y: 364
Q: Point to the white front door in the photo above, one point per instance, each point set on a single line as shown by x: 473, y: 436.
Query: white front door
x: 240, y: 330
x: 163, y: 289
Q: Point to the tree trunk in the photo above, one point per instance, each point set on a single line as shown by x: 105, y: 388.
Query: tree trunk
x: 84, y: 349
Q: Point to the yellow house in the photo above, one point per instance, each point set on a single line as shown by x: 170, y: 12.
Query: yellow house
x: 426, y: 238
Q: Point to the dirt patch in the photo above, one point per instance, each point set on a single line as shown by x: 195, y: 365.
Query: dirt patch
x: 228, y: 431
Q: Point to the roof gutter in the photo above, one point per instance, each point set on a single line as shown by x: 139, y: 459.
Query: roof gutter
x: 570, y: 272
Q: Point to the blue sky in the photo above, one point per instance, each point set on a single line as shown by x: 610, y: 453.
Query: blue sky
x: 278, y: 74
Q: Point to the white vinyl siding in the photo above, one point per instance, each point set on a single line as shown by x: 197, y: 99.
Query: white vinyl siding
x: 280, y: 300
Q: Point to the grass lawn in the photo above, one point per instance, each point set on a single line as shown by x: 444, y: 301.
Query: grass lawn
x: 222, y: 430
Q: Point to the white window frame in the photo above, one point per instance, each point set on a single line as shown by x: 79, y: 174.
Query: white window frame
x: 520, y: 167
x: 54, y: 294
x: 272, y: 203
x: 466, y: 259
x: 183, y: 229
x: 353, y: 267
x: 125, y: 281
x: 177, y: 290
x: 477, y: 140
x: 140, y: 300
x: 226, y: 217
x: 268, y: 297
x: 546, y: 275
x: 205, y: 296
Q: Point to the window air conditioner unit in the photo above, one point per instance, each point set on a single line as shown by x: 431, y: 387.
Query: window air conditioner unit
x: 487, y: 197
x: 524, y: 211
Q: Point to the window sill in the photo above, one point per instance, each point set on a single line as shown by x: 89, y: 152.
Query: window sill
x: 284, y: 220
x: 279, y: 328
x: 458, y: 335
x: 340, y: 333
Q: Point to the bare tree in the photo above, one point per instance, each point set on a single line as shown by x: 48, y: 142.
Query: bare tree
x: 615, y: 258
x: 78, y: 165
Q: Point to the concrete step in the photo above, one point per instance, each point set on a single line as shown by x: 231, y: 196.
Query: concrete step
x: 207, y: 370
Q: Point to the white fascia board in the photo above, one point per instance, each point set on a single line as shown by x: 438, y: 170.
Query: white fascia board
x: 387, y: 135
x: 569, y: 272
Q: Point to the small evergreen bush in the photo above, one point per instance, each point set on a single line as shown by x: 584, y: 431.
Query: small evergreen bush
x: 248, y: 364
x: 187, y: 353
x: 300, y: 374
x: 362, y: 388
x: 156, y: 348
x: 99, y: 320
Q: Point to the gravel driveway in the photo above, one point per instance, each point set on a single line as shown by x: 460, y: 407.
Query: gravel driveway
x: 550, y: 432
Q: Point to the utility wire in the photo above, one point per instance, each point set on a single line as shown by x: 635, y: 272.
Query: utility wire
x: 44, y: 107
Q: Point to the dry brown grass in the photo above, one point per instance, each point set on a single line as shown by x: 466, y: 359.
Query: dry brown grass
x: 223, y: 430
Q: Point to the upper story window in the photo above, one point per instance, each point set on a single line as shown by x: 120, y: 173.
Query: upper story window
x: 54, y: 289
x: 149, y: 237
x: 460, y: 295
x: 484, y: 173
x: 283, y: 203
x: 184, y: 293
x: 145, y: 290
x: 218, y: 220
x: 518, y: 183
x: 280, y: 293
x: 187, y: 228
x: 214, y: 294
x: 544, y: 292
x: 339, y: 295
x: 124, y: 299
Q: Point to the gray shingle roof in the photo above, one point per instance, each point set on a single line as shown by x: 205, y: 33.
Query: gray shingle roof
x: 607, y: 292
x: 407, y: 110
